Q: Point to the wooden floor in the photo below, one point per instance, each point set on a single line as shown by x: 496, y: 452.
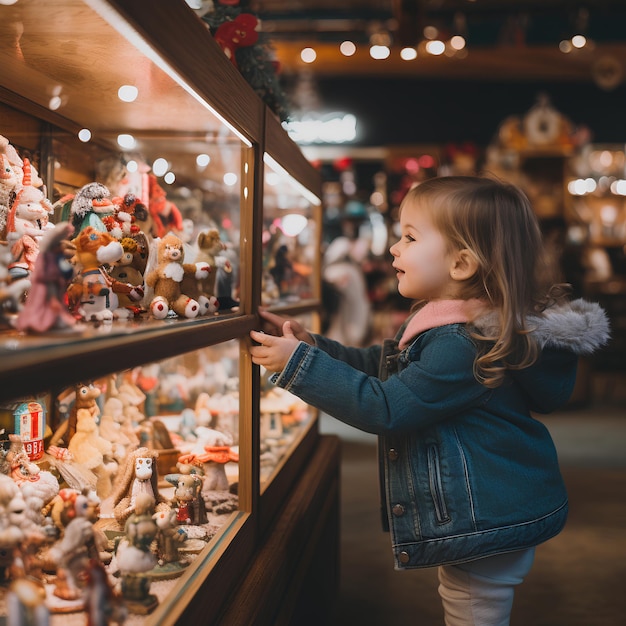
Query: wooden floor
x: 578, y: 578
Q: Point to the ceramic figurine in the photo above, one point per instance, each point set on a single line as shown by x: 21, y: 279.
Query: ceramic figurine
x: 134, y: 557
x: 139, y: 475
x: 103, y: 605
x: 74, y: 550
x: 190, y: 507
x: 25, y: 604
x: 45, y: 307
x: 93, y: 452
x: 170, y: 536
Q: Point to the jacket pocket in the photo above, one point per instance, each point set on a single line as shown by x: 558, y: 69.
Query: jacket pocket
x: 436, y: 487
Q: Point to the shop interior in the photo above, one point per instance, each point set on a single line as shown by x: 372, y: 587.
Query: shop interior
x: 268, y: 168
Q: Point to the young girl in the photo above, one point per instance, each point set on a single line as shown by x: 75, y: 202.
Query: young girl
x: 470, y: 480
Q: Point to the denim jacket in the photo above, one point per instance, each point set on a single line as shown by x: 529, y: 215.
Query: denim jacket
x: 466, y: 471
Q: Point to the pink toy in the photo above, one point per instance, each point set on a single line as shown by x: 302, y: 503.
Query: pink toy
x: 45, y: 308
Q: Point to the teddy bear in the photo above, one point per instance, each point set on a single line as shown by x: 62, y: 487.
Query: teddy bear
x: 167, y: 277
x: 209, y: 246
x: 125, y: 271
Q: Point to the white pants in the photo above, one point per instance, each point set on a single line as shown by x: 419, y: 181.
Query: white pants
x: 480, y: 593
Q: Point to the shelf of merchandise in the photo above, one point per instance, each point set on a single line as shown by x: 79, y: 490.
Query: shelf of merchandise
x: 265, y: 560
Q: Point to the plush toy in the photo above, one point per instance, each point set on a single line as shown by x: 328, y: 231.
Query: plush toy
x: 122, y: 222
x: 238, y: 33
x: 167, y: 278
x: 93, y: 295
x: 126, y: 272
x: 209, y: 247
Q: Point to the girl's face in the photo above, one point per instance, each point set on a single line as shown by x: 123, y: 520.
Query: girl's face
x: 422, y: 260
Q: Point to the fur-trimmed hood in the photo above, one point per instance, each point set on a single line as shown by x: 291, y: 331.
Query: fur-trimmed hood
x: 564, y: 332
x: 579, y: 326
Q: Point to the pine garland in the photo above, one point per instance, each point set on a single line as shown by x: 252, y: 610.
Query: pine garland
x: 254, y: 62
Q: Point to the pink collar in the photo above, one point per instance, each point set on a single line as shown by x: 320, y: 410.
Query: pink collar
x: 439, y: 313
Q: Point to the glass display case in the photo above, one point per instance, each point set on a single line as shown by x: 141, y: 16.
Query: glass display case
x: 146, y: 137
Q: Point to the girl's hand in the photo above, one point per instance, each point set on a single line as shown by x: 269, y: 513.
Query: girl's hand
x: 274, y: 352
x: 274, y: 325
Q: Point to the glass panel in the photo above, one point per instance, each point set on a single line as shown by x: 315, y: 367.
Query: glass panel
x: 284, y: 420
x: 127, y: 148
x: 289, y: 238
x: 169, y: 429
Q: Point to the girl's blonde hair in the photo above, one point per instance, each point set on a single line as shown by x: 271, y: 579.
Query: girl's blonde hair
x: 495, y: 222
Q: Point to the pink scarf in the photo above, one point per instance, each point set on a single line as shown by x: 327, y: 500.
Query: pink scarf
x: 439, y: 313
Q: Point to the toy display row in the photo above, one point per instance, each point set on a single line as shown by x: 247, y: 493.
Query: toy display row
x: 96, y: 523
x: 98, y: 263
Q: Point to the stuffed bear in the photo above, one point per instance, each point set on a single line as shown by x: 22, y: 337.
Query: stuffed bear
x: 209, y: 246
x: 167, y: 278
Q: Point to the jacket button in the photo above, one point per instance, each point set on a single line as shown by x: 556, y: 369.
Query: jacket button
x: 393, y: 454
x: 404, y: 557
x: 397, y: 510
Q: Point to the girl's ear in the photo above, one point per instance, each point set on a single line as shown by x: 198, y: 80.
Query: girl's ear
x: 464, y: 266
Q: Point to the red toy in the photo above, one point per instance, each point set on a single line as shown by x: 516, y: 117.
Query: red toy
x: 237, y: 33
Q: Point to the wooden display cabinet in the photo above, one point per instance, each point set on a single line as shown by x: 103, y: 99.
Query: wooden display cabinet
x: 274, y: 558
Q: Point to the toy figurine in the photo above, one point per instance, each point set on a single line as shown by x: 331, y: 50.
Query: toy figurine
x: 125, y: 271
x: 75, y: 548
x: 165, y: 214
x: 11, y: 291
x: 9, y: 181
x: 25, y: 604
x: 45, y: 308
x: 27, y: 221
x: 103, y: 605
x: 134, y: 557
x: 88, y: 207
x: 187, y: 500
x: 169, y: 536
x: 92, y: 451
x: 208, y: 249
x: 139, y: 475
x: 85, y: 396
x: 93, y: 295
x: 167, y: 278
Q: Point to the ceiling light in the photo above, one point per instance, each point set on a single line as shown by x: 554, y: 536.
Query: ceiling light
x: 408, y: 54
x: 347, y: 48
x: 435, y: 47
x: 379, y: 52
x: 308, y: 55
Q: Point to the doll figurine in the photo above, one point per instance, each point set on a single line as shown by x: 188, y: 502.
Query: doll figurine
x: 45, y: 308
